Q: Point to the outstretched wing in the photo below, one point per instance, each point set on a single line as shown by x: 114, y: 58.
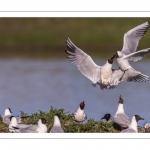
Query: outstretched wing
x: 132, y: 37
x: 130, y: 75
x: 133, y: 57
x: 84, y: 62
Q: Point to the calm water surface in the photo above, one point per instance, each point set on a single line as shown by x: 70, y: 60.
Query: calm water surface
x: 33, y: 85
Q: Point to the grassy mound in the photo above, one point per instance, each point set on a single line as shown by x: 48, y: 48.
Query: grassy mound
x: 69, y: 126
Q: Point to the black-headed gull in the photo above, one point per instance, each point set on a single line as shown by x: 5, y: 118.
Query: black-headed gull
x: 14, y: 123
x: 39, y: 128
x: 57, y: 125
x: 107, y: 117
x: 133, y: 126
x: 99, y: 75
x: 120, y: 117
x: 80, y: 115
x: 129, y: 53
x: 8, y: 114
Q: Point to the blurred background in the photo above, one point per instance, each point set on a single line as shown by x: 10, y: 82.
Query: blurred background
x: 35, y: 74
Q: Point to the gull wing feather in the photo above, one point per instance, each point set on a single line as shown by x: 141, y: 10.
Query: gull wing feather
x: 132, y: 37
x: 130, y: 75
x: 136, y: 56
x: 122, y: 119
x: 84, y: 62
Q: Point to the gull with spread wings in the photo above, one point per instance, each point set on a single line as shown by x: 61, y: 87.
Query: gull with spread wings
x: 129, y: 53
x: 101, y: 76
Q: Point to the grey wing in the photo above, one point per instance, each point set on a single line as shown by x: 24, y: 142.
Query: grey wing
x: 128, y: 130
x: 57, y: 130
x: 84, y: 62
x: 122, y: 119
x: 136, y: 56
x: 115, y: 77
x: 132, y: 37
x: 132, y: 75
x: 6, y: 119
x: 32, y: 129
x: 23, y: 125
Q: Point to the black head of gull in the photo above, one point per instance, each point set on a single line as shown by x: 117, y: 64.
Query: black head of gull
x: 106, y: 116
x: 120, y: 100
x: 82, y: 104
x: 137, y: 118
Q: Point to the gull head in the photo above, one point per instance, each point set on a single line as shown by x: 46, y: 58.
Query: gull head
x: 137, y: 118
x: 120, y: 100
x: 82, y: 104
x: 42, y: 120
x: 106, y: 116
x: 111, y: 59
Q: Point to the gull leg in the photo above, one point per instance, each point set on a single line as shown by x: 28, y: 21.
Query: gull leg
x: 123, y: 74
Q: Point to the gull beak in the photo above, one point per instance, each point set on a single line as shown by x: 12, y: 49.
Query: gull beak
x: 141, y: 118
x: 102, y: 118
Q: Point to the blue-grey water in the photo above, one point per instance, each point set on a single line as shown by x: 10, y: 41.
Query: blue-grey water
x: 33, y: 85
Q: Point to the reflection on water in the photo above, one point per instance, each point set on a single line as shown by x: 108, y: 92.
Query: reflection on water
x: 32, y: 85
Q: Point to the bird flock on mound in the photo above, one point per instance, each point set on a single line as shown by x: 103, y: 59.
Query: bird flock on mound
x: 103, y: 77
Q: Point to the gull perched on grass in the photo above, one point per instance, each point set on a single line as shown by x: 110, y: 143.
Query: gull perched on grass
x: 57, y: 125
x: 133, y: 126
x: 99, y: 75
x: 39, y: 128
x: 80, y: 115
x: 8, y: 114
x: 129, y: 53
x: 120, y: 117
x: 14, y: 123
x: 107, y: 117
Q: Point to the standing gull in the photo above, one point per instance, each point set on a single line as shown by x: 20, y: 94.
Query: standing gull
x: 120, y: 117
x: 57, y: 125
x: 129, y: 53
x: 80, y: 115
x: 133, y: 126
x: 99, y: 75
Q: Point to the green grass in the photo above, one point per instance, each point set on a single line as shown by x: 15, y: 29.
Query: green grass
x: 68, y: 125
x: 46, y: 37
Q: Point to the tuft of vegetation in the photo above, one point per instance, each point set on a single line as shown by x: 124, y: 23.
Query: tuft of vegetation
x: 67, y: 123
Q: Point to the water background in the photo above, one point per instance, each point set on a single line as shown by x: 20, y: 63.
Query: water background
x: 31, y: 85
